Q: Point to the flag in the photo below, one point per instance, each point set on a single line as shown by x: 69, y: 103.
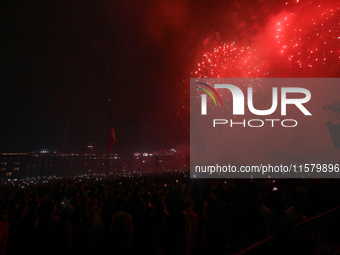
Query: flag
x: 112, y: 134
x: 112, y: 138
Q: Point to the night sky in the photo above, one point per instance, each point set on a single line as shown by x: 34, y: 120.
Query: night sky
x: 62, y: 60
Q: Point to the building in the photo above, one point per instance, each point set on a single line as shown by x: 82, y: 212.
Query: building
x: 49, y: 163
x: 52, y: 163
x: 160, y: 161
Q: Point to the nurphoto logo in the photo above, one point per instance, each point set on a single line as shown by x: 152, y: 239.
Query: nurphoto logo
x: 238, y: 99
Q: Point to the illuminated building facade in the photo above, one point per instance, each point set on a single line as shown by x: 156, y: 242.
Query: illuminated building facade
x: 46, y: 163
x: 50, y: 163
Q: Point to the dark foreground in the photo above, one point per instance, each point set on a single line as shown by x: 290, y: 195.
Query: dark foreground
x: 164, y: 213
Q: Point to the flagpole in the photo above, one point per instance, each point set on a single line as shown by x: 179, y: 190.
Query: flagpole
x: 108, y: 140
x: 111, y: 137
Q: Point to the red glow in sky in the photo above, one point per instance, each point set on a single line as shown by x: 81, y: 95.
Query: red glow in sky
x: 304, y: 36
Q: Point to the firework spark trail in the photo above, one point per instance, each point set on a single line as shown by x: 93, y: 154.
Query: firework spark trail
x: 229, y: 60
x: 309, y: 39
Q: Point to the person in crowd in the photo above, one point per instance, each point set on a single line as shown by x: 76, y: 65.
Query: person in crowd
x: 121, y: 230
x: 3, y: 229
x: 279, y: 215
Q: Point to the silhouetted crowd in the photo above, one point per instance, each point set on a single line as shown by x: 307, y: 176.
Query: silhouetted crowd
x: 164, y: 213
